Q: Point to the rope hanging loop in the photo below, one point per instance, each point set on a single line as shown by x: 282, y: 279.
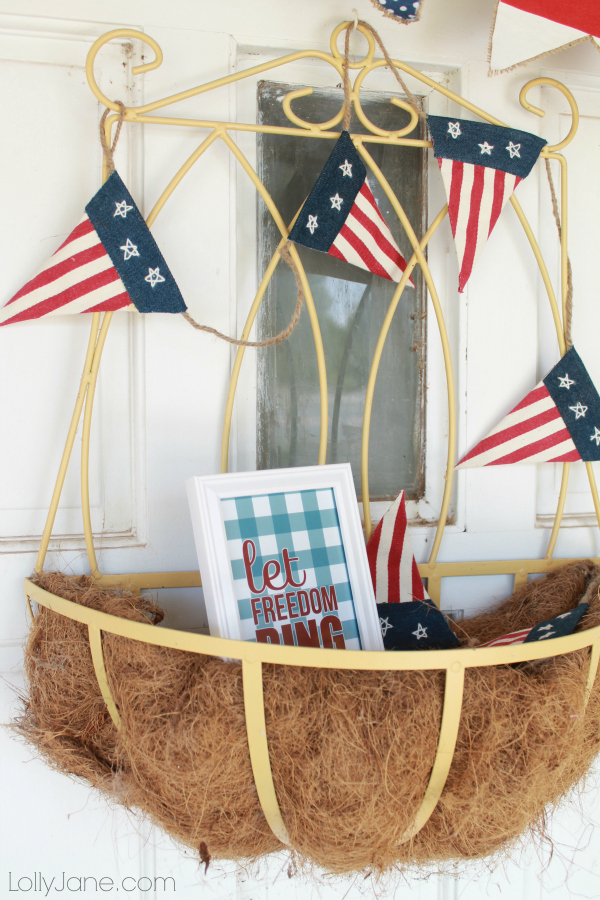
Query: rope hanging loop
x: 109, y: 149
x: 278, y: 338
x: 365, y: 26
x: 569, y: 302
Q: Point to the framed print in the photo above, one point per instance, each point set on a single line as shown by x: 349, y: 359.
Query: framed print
x: 283, y: 559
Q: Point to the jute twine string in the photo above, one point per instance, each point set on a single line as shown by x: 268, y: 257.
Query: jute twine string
x: 109, y: 151
x: 569, y: 303
x: 278, y: 338
x: 347, y: 101
x: 284, y: 253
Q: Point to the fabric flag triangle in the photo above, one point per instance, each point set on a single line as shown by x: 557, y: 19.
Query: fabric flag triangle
x: 392, y: 563
x: 408, y: 618
x: 550, y: 628
x: 524, y: 30
x: 558, y: 421
x: 341, y: 217
x: 481, y: 165
x: 110, y: 261
x: 407, y: 11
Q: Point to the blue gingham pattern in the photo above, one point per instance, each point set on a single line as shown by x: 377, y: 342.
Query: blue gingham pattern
x: 306, y: 524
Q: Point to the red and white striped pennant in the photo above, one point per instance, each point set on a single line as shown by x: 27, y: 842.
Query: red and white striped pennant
x: 79, y: 277
x: 534, y: 431
x: 524, y: 30
x: 558, y: 421
x: 515, y: 637
x: 392, y: 563
x: 340, y: 217
x: 559, y: 626
x: 476, y: 197
x: 481, y: 165
x: 366, y: 241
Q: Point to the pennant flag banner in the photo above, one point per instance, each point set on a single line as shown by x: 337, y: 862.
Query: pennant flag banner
x: 481, y: 165
x: 403, y: 10
x: 110, y: 261
x: 551, y: 628
x: 524, y: 30
x: 341, y: 218
x: 408, y: 618
x: 558, y: 421
x: 392, y: 563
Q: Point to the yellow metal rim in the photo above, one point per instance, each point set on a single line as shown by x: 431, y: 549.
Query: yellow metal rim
x: 367, y: 660
x: 252, y: 657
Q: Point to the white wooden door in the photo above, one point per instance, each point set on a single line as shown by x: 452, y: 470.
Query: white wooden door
x: 162, y: 388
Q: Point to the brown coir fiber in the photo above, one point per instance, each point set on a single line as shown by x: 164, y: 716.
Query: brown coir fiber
x: 351, y: 752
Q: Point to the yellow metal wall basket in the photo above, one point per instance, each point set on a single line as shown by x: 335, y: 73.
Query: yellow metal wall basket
x: 453, y: 663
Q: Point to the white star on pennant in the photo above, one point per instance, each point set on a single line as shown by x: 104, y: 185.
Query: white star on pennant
x: 312, y: 224
x: 546, y: 627
x: 579, y: 410
x: 129, y: 250
x: 154, y: 277
x: 550, y: 634
x: 486, y: 148
x: 385, y: 626
x: 454, y: 129
x: 336, y: 202
x: 122, y: 209
x: 596, y: 436
x: 563, y: 616
x: 565, y: 382
x: 513, y: 149
x: 346, y: 168
x: 420, y: 632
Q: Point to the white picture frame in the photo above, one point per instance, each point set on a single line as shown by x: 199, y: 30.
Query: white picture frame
x: 260, y: 532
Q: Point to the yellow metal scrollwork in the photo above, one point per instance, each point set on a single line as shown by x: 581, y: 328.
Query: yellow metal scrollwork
x: 301, y: 123
x: 137, y: 70
x: 253, y: 655
x: 551, y: 82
